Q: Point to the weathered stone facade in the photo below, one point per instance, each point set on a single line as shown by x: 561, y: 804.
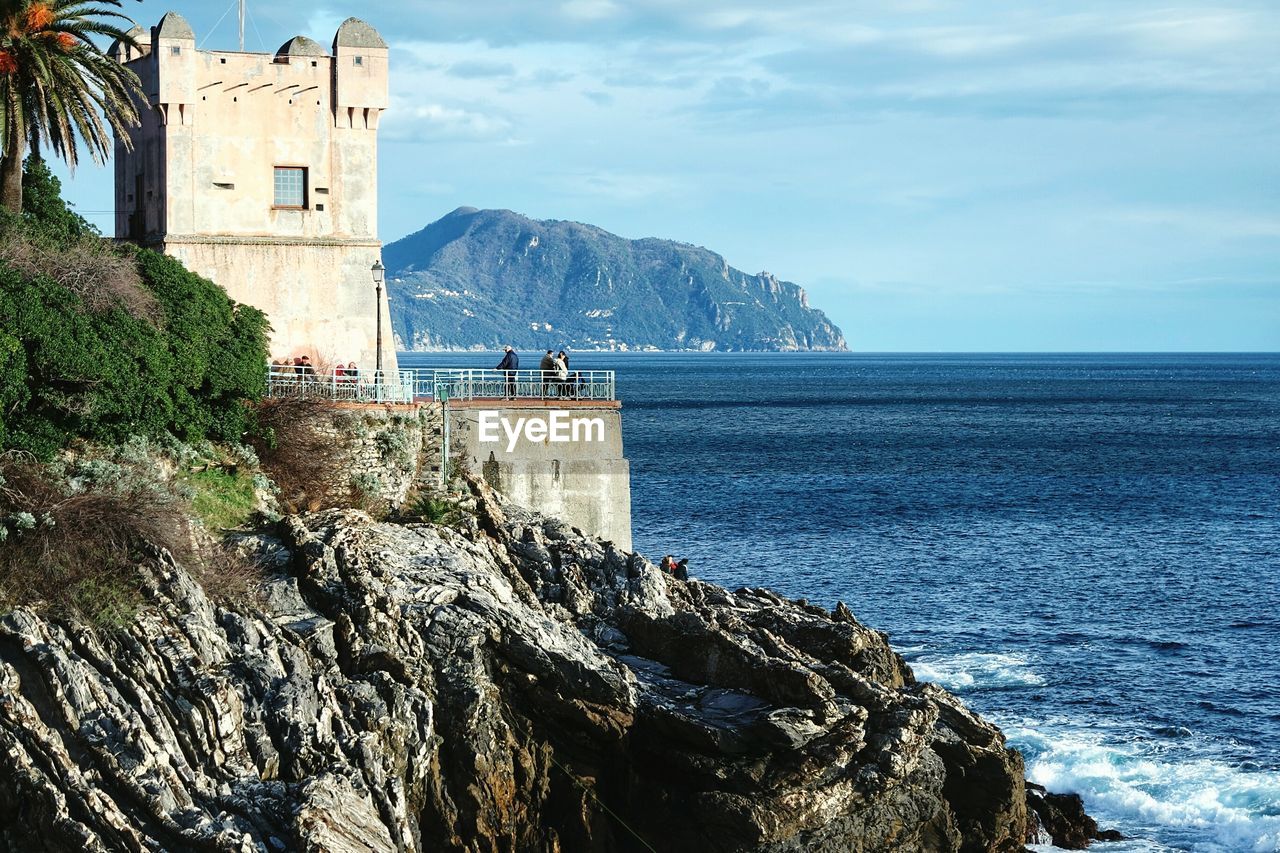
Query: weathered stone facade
x: 335, y: 455
x: 383, y: 455
x: 584, y: 480
x: 207, y: 180
x: 388, y: 452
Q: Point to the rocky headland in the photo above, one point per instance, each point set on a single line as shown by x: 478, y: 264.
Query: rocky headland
x: 501, y: 684
x: 478, y: 279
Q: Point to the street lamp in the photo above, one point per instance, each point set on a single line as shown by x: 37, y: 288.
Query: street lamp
x: 378, y: 271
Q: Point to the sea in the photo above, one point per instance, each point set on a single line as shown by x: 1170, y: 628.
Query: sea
x: 1084, y: 547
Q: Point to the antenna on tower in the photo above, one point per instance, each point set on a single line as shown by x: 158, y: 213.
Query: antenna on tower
x: 242, y: 26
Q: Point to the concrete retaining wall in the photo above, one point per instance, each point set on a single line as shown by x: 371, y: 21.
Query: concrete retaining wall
x: 564, y: 460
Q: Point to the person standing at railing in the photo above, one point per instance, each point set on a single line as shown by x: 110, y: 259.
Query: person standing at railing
x: 549, y: 369
x: 568, y: 381
x: 510, y: 363
x: 562, y: 373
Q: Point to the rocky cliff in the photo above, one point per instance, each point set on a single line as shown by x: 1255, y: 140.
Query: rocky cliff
x: 483, y: 278
x: 508, y: 684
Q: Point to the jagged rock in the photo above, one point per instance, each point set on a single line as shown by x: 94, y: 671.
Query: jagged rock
x: 514, y: 687
x: 1062, y: 817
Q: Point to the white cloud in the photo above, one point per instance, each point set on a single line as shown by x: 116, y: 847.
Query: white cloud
x: 589, y: 10
x: 322, y: 25
x: 418, y: 121
x: 476, y: 68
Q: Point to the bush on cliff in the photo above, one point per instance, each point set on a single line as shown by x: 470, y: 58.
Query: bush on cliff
x: 72, y: 534
x: 102, y: 342
x: 74, y: 531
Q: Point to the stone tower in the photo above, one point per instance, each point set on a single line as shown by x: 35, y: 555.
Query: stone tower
x: 259, y: 171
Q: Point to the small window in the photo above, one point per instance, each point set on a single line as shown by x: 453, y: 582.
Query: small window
x: 359, y: 60
x: 175, y: 50
x: 291, y: 186
x: 223, y: 60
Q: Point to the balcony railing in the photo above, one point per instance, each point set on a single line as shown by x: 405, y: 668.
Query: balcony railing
x: 465, y: 384
x: 409, y: 386
x: 362, y: 387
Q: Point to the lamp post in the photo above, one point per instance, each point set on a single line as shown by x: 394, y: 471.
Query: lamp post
x: 378, y: 271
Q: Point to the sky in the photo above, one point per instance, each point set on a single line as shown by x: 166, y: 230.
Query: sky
x: 940, y: 176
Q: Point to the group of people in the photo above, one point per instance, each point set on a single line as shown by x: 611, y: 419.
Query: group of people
x: 679, y: 569
x: 555, y: 373
x: 302, y: 367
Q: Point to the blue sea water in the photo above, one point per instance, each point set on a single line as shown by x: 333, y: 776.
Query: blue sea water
x: 1085, y: 547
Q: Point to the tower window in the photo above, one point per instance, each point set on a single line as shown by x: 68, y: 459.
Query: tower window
x: 291, y: 186
x: 359, y: 60
x: 175, y: 50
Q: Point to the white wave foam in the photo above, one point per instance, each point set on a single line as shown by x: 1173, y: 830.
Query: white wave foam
x: 1192, y: 802
x: 975, y: 671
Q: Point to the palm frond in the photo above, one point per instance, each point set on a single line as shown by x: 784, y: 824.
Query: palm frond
x: 67, y: 95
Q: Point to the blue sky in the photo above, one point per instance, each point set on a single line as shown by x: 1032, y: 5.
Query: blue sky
x: 978, y: 175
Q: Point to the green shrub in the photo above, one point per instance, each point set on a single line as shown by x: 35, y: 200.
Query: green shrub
x: 434, y: 509
x: 394, y: 445
x: 43, y: 207
x: 74, y: 531
x: 104, y: 342
x: 109, y: 602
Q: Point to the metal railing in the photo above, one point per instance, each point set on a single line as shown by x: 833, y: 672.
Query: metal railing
x: 466, y: 384
x: 408, y: 386
x: 392, y: 386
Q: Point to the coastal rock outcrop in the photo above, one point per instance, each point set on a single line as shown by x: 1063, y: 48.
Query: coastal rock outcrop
x: 479, y: 279
x: 1062, y: 818
x: 507, y: 685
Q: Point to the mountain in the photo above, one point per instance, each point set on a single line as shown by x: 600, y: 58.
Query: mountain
x: 477, y: 279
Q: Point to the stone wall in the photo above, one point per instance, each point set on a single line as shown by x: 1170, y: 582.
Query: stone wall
x: 391, y: 451
x: 380, y: 456
x: 328, y: 454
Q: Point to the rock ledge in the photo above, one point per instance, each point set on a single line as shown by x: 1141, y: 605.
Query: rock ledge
x: 511, y: 686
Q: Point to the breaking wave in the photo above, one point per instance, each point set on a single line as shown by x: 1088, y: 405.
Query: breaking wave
x: 1145, y: 787
x: 976, y: 671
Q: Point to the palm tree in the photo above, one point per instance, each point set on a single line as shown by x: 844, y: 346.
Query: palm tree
x: 57, y: 85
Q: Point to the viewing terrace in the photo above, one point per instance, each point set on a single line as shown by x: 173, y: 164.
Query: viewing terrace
x: 408, y: 387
